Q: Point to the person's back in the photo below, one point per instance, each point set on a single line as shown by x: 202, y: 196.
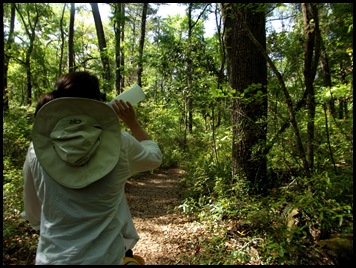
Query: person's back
x: 75, y: 174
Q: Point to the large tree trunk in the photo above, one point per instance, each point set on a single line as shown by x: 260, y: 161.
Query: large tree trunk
x: 142, y: 42
x: 291, y: 109
x: 247, y: 72
x: 102, y: 45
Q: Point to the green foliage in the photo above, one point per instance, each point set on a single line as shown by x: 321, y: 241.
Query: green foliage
x: 326, y: 201
x: 17, y: 135
x: 18, y: 237
x: 163, y: 125
x: 280, y: 228
x: 208, y: 173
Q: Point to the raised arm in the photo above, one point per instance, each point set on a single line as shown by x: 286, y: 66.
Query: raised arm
x: 127, y: 114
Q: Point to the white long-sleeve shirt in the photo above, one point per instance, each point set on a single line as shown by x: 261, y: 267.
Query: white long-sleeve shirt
x: 92, y: 225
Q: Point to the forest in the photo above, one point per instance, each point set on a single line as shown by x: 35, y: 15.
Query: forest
x: 259, y: 117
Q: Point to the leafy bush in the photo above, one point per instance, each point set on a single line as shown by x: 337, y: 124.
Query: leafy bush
x: 163, y: 125
x: 17, y: 134
x: 280, y: 228
x: 325, y: 202
x: 19, y: 239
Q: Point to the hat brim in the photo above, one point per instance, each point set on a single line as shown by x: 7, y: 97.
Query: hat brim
x: 100, y: 163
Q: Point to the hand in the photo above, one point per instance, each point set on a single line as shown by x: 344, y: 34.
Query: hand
x: 127, y: 114
x: 125, y: 111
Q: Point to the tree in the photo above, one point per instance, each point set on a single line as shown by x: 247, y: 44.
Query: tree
x: 119, y: 29
x: 311, y: 61
x: 102, y: 45
x: 222, y: 52
x: 62, y: 41
x: 247, y: 72
x: 189, y: 91
x: 142, y: 42
x: 7, y: 57
x: 30, y: 15
x: 71, y: 58
x: 340, y: 23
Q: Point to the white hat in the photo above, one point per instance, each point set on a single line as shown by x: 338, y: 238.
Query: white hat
x: 77, y: 140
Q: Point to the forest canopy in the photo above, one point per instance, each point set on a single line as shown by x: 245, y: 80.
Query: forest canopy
x: 260, y: 117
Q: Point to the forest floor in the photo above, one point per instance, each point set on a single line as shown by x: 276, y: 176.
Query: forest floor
x: 167, y: 237
x: 164, y: 232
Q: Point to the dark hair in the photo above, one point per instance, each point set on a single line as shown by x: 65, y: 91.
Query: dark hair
x: 42, y: 100
x: 77, y: 84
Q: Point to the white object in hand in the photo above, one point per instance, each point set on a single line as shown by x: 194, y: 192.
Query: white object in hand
x: 133, y: 95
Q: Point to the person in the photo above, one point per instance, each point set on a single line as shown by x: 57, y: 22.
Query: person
x: 75, y: 172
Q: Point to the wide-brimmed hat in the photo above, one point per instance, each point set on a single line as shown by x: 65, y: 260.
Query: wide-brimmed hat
x: 76, y: 140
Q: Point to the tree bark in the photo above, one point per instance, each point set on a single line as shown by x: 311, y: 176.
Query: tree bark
x: 247, y: 72
x: 291, y: 110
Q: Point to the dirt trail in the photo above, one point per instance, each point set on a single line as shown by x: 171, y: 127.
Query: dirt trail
x: 162, y: 230
x: 166, y: 235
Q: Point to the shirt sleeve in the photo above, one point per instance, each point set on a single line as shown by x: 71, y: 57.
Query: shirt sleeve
x: 143, y: 156
x: 32, y: 204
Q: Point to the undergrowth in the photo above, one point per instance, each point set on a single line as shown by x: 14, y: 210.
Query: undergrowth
x: 282, y: 227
